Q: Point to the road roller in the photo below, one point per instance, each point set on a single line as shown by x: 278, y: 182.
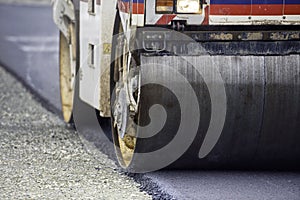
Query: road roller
x: 186, y: 84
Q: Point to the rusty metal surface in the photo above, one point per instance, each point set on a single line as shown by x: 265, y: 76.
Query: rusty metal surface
x: 65, y: 74
x: 105, y: 93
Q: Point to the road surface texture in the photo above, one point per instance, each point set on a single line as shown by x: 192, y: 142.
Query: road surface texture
x: 29, y: 49
x: 30, y: 2
x: 29, y: 46
x: 42, y: 159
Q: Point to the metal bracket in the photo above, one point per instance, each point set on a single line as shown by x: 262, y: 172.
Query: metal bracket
x: 63, y: 15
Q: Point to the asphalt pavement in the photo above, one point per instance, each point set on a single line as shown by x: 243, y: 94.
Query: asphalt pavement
x: 29, y: 49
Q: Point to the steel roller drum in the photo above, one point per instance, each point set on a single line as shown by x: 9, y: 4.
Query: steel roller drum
x: 257, y: 114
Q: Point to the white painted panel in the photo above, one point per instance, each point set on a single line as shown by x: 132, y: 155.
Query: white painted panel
x: 253, y: 20
x: 228, y: 20
x: 90, y: 31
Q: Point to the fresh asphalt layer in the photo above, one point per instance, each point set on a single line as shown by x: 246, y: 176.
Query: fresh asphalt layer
x: 29, y: 49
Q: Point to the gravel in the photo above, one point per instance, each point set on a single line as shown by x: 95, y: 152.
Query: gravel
x: 41, y: 158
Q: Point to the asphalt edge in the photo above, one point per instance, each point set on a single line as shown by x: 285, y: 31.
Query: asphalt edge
x: 151, y: 187
x: 36, y: 96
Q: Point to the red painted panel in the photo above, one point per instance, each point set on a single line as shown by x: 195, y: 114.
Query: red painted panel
x: 267, y: 9
x: 230, y: 9
x: 261, y: 9
x: 292, y: 9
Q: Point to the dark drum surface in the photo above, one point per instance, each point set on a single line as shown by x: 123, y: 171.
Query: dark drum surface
x: 262, y: 109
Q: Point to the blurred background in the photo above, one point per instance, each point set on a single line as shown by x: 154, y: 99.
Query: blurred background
x: 29, y: 46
